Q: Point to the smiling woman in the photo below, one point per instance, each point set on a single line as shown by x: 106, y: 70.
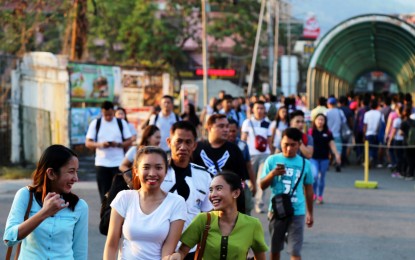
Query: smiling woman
x: 51, y: 206
x: 231, y: 232
x: 149, y: 220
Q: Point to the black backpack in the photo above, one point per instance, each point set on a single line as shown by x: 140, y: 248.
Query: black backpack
x: 121, y: 181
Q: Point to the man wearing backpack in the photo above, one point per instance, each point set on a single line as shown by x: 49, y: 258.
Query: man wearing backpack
x: 408, y: 129
x: 164, y: 120
x: 108, y: 136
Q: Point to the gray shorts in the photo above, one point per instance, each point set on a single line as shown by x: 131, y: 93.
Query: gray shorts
x: 294, y: 228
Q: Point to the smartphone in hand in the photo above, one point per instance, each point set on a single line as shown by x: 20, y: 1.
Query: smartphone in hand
x: 280, y: 166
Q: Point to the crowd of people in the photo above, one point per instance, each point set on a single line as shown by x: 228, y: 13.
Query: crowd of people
x: 196, y: 179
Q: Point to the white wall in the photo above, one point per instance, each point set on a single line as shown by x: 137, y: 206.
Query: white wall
x: 41, y: 82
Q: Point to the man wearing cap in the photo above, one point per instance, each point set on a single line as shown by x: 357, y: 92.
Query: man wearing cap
x: 335, y: 119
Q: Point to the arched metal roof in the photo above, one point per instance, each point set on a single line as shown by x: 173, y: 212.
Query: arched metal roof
x: 364, y: 43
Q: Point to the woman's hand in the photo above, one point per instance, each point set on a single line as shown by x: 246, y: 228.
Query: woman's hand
x: 174, y: 256
x: 338, y: 159
x: 53, y: 203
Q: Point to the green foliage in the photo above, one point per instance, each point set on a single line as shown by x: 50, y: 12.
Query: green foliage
x: 23, y: 25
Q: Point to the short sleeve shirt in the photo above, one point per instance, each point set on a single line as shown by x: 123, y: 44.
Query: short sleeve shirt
x: 146, y: 243
x: 246, y: 234
x: 285, y: 183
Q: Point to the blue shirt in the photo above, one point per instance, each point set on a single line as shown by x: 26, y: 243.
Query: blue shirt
x: 285, y: 183
x: 62, y: 236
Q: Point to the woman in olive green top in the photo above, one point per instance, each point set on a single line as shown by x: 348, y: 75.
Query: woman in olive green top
x: 231, y: 233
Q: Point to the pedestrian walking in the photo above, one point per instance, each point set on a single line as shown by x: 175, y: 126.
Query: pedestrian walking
x: 184, y: 178
x: 108, y: 136
x: 231, y: 233
x: 56, y: 225
x: 320, y: 159
x: 148, y: 221
x: 164, y: 120
x: 290, y: 174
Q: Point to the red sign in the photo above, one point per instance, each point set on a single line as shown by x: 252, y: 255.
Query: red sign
x: 311, y: 28
x: 217, y: 72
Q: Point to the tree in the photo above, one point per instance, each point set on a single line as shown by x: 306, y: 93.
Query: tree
x: 31, y: 25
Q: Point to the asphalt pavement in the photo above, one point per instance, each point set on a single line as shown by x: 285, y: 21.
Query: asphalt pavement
x: 351, y: 224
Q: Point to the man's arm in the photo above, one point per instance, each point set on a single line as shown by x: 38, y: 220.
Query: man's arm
x: 244, y: 136
x: 251, y: 176
x: 306, y: 151
x: 266, y: 182
x: 308, y: 190
x: 91, y: 144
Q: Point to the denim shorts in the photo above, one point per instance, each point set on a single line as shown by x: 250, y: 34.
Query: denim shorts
x: 293, y: 228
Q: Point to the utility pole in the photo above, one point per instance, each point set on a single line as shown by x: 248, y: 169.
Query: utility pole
x: 275, y: 67
x: 204, y: 54
x: 271, y: 46
x: 258, y: 33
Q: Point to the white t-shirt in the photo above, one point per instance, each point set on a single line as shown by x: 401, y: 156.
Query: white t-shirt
x: 397, y: 125
x: 262, y: 127
x: 278, y: 133
x: 164, y: 124
x: 372, y: 119
x: 130, y: 154
x: 133, y: 131
x: 144, y: 235
x: 199, y: 183
x: 108, y: 132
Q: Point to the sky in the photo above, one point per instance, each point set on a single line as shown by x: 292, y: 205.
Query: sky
x: 329, y: 13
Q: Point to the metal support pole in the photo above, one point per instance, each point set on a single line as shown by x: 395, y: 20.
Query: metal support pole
x: 258, y: 33
x: 275, y: 66
x: 205, y: 61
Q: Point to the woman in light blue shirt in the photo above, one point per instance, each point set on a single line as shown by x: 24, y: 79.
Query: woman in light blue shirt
x: 57, y: 227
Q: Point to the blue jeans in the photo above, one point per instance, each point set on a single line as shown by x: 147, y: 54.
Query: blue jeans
x: 339, y: 144
x: 319, y: 166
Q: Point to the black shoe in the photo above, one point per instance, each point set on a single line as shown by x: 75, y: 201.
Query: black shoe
x: 338, y: 169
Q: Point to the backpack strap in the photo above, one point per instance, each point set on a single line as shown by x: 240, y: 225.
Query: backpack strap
x: 155, y: 119
x: 120, y: 126
x: 177, y: 117
x: 97, y: 126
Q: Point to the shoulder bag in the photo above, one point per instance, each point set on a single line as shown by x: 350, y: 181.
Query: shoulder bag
x: 260, y: 142
x: 26, y: 216
x: 281, y: 203
x: 200, y: 250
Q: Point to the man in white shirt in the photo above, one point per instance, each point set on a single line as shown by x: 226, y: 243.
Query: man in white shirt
x: 164, y: 120
x: 108, y: 136
x: 189, y: 180
x: 371, y: 121
x: 257, y: 125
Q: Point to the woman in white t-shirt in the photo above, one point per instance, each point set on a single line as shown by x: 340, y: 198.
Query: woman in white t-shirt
x: 150, y: 221
x: 278, y: 126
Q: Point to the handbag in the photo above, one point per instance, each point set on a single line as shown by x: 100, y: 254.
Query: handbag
x: 260, y: 142
x: 200, y: 250
x: 26, y: 216
x: 281, y: 203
